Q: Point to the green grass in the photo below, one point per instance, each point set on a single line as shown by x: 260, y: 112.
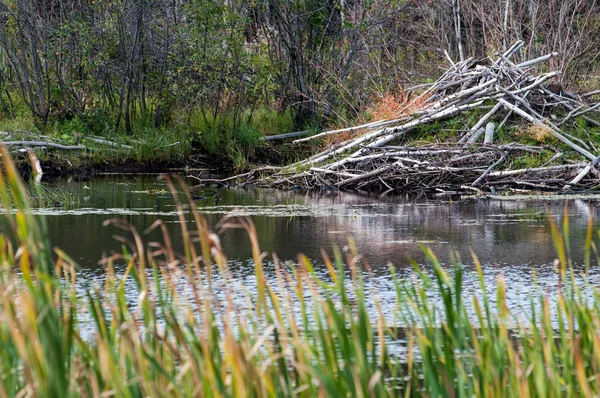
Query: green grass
x: 44, y: 195
x: 295, y: 334
x: 531, y: 160
x: 227, y: 137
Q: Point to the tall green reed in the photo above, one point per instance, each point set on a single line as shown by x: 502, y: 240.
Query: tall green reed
x: 296, y: 334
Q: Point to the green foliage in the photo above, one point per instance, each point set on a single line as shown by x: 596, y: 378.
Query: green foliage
x: 150, y: 144
x: 270, y: 122
x: 237, y: 137
x: 440, y: 130
x: 238, y: 141
x: 530, y: 160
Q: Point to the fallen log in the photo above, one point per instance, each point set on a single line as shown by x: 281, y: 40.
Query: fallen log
x: 586, y: 170
x: 284, y: 136
x: 379, y: 123
x: 489, y: 133
x: 508, y: 173
x: 43, y: 143
x: 103, y: 141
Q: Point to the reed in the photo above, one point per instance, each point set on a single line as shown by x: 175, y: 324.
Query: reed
x: 193, y: 332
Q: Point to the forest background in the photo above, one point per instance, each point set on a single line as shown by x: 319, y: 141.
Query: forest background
x: 170, y: 77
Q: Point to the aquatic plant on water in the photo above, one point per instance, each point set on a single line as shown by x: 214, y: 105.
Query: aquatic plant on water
x: 297, y: 333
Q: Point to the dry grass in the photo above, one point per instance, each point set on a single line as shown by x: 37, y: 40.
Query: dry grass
x: 537, y: 132
x: 386, y: 107
x: 393, y: 106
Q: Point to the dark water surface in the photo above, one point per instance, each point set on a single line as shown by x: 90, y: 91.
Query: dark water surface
x: 503, y: 233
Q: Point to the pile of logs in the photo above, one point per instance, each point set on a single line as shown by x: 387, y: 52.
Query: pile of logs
x: 382, y: 159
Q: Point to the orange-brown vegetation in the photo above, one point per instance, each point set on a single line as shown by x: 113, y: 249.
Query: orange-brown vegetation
x: 389, y: 106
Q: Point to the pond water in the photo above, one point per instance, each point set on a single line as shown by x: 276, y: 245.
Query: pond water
x: 503, y: 233
x: 511, y: 238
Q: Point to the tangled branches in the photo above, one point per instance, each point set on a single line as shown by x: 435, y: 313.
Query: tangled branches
x: 510, y: 93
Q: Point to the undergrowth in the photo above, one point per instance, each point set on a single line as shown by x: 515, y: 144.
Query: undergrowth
x: 227, y: 137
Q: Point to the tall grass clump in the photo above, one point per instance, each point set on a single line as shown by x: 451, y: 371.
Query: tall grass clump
x: 192, y: 331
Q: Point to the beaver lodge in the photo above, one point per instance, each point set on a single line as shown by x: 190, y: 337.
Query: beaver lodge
x: 506, y: 97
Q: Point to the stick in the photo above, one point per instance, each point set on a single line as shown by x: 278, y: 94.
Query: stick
x: 401, y: 153
x: 379, y: 123
x: 578, y: 112
x: 489, y: 169
x: 552, y: 159
x: 570, y: 107
x: 339, y: 173
x: 235, y: 177
x: 362, y: 177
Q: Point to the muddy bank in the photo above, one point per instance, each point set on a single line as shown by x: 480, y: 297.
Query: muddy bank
x: 198, y: 164
x: 63, y: 166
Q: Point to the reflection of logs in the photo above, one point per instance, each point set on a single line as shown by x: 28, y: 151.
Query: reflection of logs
x: 370, y: 162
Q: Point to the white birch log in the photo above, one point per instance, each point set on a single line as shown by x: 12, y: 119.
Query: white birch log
x: 537, y: 60
x: 508, y: 173
x: 489, y: 133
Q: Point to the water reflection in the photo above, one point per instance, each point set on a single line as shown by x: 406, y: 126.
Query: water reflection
x: 502, y: 233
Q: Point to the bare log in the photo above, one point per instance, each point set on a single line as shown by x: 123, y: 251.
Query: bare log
x: 107, y: 142
x: 465, y: 93
x: 364, y: 176
x: 537, y: 60
x: 284, y: 136
x: 42, y: 143
x: 508, y: 173
x: 591, y: 93
x: 390, y: 154
x: 480, y: 123
x: 586, y: 170
x: 489, y: 133
x: 379, y: 123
